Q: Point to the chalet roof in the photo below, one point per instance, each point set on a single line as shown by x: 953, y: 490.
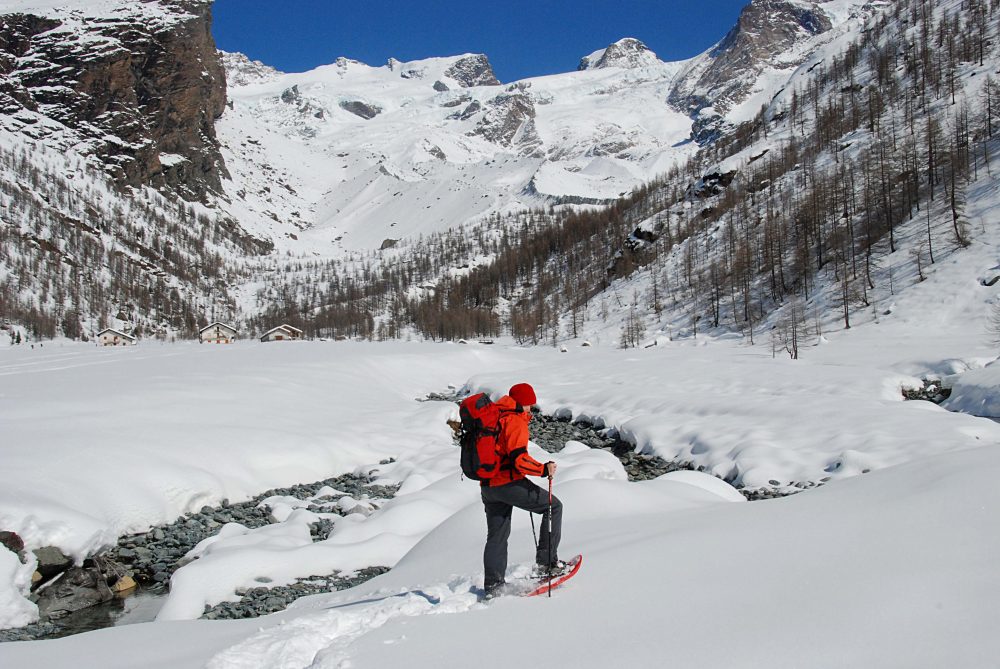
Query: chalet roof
x: 286, y: 328
x: 220, y: 324
x: 117, y: 332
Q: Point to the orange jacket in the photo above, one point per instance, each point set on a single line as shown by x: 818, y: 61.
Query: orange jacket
x: 512, y: 445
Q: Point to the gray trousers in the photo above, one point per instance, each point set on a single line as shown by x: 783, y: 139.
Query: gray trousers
x: 500, y: 502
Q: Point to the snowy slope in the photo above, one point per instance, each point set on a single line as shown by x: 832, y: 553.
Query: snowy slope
x: 74, y: 12
x: 757, y: 57
x: 437, y: 152
x: 734, y: 411
x: 891, y: 569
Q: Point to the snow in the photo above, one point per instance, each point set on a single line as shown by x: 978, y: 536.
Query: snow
x: 890, y: 563
x: 891, y: 569
x: 976, y: 392
x: 175, y: 427
x: 171, y: 159
x: 72, y: 11
x: 15, y: 580
x: 414, y: 169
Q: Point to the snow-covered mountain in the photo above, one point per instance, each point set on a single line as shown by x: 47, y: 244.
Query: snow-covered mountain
x: 345, y: 158
x: 355, y: 154
x: 850, y: 218
x: 727, y: 84
x: 380, y: 153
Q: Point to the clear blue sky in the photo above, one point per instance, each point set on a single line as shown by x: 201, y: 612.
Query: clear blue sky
x: 522, y: 38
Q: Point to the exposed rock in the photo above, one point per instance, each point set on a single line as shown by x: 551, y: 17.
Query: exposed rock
x: 626, y: 53
x: 51, y: 561
x: 611, y: 147
x: 241, y: 71
x: 126, y: 90
x: 362, y: 109
x: 471, y: 110
x: 462, y: 99
x: 724, y: 76
x: 440, y: 86
x: 77, y: 588
x: 708, y: 126
x: 472, y: 71
x: 124, y: 584
x: 388, y: 244
x: 413, y: 73
x: 711, y: 184
x: 12, y: 542
x: 509, y: 122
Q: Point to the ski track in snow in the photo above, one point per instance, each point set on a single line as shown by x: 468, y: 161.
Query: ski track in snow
x: 46, y: 365
x: 322, y: 640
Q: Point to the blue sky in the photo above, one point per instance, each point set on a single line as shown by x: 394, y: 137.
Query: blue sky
x: 521, y: 38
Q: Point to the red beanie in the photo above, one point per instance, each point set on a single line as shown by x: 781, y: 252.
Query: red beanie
x: 523, y: 394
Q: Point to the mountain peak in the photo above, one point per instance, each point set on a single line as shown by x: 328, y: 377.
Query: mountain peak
x: 472, y: 70
x: 242, y: 71
x: 625, y: 53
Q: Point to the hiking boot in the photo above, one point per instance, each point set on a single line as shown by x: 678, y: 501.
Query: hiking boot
x: 493, y: 590
x: 557, y: 568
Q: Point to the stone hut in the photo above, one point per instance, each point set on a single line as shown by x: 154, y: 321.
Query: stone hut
x: 283, y: 332
x: 110, y: 337
x: 217, y: 333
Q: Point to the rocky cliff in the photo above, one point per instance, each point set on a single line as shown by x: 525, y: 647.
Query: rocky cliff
x: 764, y: 36
x: 136, y: 86
x: 627, y: 53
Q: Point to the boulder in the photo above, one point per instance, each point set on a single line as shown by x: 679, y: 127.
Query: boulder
x: 12, y: 542
x: 76, y: 589
x: 51, y: 561
x: 124, y: 584
x: 362, y: 109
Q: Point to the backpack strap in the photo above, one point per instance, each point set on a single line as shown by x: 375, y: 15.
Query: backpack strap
x: 507, y: 462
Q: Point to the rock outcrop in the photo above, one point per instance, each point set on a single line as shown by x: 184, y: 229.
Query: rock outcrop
x: 509, y: 121
x: 362, y: 109
x: 470, y: 71
x: 138, y: 86
x: 626, y: 53
x: 763, y: 37
x: 241, y: 71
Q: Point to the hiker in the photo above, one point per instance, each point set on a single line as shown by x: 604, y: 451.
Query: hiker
x: 509, y: 488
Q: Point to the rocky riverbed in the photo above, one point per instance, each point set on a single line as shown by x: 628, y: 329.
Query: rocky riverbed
x: 932, y: 390
x: 152, y: 557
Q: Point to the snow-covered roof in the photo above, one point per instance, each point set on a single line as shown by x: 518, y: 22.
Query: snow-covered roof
x: 285, y: 327
x: 117, y: 332
x: 217, y: 323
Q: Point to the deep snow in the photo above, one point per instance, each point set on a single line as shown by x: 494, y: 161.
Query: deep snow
x: 895, y: 560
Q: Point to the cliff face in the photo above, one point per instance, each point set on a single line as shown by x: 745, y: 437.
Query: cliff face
x: 764, y: 37
x: 137, y: 87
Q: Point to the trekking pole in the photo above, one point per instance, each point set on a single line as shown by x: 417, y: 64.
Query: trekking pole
x: 550, y: 533
x: 534, y: 535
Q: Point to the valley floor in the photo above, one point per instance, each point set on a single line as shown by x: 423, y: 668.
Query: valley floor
x: 887, y: 564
